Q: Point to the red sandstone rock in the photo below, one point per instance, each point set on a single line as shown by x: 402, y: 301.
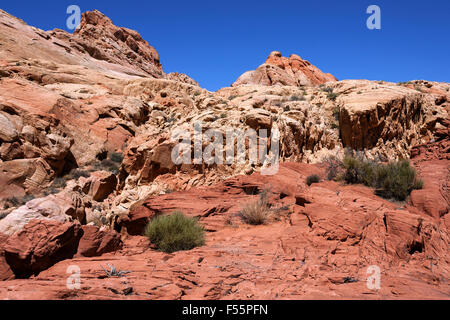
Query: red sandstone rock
x: 5, y: 271
x: 278, y: 70
x: 99, y: 185
x: 40, y: 245
x: 96, y: 241
x: 319, y: 247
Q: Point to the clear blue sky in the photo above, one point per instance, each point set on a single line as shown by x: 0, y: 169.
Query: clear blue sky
x: 216, y: 41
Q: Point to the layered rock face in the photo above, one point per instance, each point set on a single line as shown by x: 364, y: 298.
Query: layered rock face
x: 279, y: 70
x: 88, y: 125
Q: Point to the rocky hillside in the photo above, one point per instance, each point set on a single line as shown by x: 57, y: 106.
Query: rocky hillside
x: 88, y: 124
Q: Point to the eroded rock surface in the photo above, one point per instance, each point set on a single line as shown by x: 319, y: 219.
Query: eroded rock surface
x: 88, y: 123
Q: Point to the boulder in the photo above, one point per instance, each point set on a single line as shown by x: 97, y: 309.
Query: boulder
x: 5, y: 271
x: 97, y: 241
x: 61, y: 208
x: 99, y: 185
x: 41, y: 244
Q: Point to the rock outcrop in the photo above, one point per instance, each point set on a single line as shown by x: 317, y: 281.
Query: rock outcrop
x: 89, y: 123
x: 279, y: 70
x: 40, y: 245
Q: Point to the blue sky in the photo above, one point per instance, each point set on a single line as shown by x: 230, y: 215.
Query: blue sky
x: 216, y: 41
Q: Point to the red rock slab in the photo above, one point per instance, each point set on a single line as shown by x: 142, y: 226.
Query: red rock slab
x: 96, y: 242
x: 40, y: 245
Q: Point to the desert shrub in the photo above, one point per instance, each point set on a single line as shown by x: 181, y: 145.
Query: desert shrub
x: 107, y: 165
x: 232, y: 97
x: 327, y: 89
x: 256, y: 212
x: 14, y: 201
x: 332, y: 96
x: 314, y: 178
x: 116, y: 157
x: 27, y: 198
x: 336, y: 112
x: 76, y: 174
x: 394, y: 180
x: 175, y: 232
x: 296, y: 98
x: 333, y: 167
x: 59, y: 182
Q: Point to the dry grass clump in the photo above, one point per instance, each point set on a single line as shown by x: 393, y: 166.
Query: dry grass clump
x: 257, y: 212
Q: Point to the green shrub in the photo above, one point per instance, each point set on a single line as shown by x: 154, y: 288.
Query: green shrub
x: 78, y: 173
x: 116, y: 157
x: 296, y: 98
x: 327, y: 89
x: 312, y: 179
x: 332, y: 96
x: 336, y: 113
x: 175, y: 232
x: 394, y: 180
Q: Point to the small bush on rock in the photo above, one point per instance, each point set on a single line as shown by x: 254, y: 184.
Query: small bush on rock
x: 256, y: 212
x: 175, y: 232
x: 116, y: 157
x: 312, y: 179
x: 394, y: 180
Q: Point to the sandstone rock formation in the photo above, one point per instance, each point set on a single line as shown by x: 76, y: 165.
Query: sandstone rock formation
x: 40, y: 245
x: 88, y: 124
x: 279, y: 70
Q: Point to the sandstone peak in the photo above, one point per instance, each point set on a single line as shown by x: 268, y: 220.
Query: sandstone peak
x: 279, y: 70
x: 105, y: 41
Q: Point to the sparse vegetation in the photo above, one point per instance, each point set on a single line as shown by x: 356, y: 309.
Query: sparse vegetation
x: 394, y: 180
x: 336, y: 112
x: 256, y: 212
x: 332, y: 96
x: 59, y: 183
x: 297, y: 98
x: 175, y: 232
x: 107, y: 165
x: 334, y: 125
x: 312, y: 179
x: 113, y: 272
x: 333, y: 167
x: 116, y: 157
x: 232, y: 97
x: 326, y: 89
